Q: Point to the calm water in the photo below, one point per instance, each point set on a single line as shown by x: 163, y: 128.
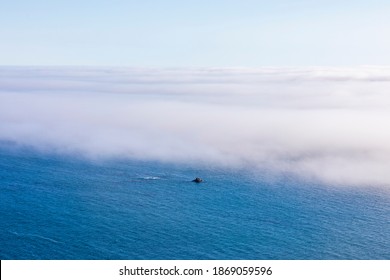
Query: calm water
x: 64, y: 208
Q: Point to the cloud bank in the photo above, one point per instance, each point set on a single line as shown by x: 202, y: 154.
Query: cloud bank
x: 322, y: 124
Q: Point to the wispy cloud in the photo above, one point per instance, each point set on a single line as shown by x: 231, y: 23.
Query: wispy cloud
x: 325, y: 124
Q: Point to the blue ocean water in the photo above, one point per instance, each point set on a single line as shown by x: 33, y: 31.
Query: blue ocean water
x: 56, y: 207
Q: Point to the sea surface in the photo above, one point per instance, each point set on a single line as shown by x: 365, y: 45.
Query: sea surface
x: 66, y: 207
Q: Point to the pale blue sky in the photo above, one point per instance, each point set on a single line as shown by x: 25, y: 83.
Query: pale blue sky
x: 175, y: 33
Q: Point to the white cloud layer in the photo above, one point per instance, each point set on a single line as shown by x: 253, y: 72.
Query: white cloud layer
x: 325, y: 124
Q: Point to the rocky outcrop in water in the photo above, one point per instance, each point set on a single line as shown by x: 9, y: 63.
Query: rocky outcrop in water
x: 197, y: 180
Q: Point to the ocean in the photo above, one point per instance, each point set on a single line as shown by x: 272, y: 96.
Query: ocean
x: 56, y: 206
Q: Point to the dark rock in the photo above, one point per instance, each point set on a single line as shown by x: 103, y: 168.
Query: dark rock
x: 197, y: 180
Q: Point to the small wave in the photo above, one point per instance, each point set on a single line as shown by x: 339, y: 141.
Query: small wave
x: 150, y: 178
x: 44, y: 238
x: 34, y: 236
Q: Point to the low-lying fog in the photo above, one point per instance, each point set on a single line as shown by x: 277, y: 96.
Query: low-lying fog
x: 326, y: 124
